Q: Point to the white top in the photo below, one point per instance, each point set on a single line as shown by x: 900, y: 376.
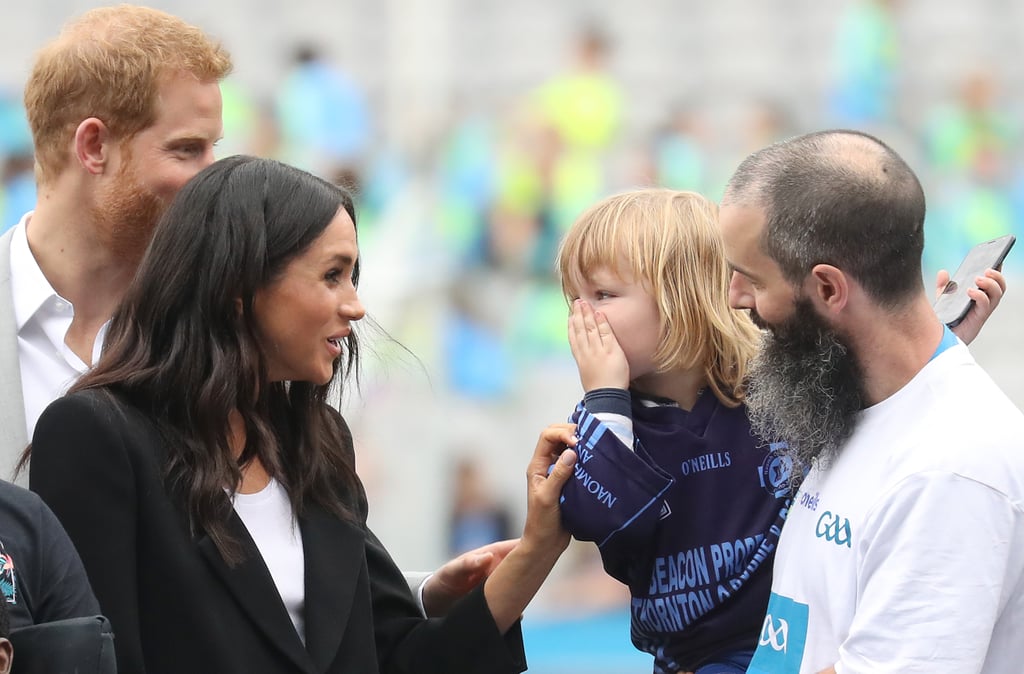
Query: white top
x: 267, y: 515
x: 908, y: 555
x: 48, y: 366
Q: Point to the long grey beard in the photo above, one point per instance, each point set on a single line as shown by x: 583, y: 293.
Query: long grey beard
x: 805, y: 388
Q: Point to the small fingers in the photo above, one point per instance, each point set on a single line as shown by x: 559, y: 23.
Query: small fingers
x: 604, y: 328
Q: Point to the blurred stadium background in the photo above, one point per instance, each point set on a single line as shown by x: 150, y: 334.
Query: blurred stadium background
x: 474, y: 131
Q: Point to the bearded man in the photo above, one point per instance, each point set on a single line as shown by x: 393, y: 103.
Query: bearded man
x: 904, y: 547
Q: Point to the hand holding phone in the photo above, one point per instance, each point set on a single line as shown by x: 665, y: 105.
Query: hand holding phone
x: 954, y: 303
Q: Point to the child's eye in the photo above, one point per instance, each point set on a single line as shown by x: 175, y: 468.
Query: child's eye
x: 332, y: 276
x: 603, y: 295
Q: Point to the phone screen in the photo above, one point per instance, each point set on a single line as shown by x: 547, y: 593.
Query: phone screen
x: 953, y: 304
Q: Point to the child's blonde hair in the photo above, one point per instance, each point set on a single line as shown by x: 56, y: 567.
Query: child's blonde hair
x: 670, y: 242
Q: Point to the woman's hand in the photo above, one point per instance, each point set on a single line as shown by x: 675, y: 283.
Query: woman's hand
x: 550, y: 468
x: 517, y: 578
x: 460, y: 575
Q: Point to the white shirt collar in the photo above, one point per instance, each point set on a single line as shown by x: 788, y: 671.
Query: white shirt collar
x: 29, y: 287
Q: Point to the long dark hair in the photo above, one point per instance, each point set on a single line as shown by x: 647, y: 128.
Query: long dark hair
x: 183, y: 345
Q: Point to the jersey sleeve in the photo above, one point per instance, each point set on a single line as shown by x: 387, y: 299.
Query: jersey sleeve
x: 615, y: 492
x: 465, y: 640
x: 941, y: 555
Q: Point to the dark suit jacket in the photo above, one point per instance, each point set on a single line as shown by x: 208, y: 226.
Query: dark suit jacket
x: 176, y: 607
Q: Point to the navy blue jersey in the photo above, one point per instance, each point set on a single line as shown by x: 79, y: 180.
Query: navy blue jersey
x: 688, y: 518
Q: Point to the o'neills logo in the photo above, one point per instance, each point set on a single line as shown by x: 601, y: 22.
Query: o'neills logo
x: 711, y: 461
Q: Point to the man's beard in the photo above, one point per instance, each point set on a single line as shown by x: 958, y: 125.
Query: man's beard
x: 806, y: 389
x: 126, y: 214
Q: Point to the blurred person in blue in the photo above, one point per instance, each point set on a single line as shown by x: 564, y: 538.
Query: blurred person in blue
x: 865, y: 61
x: 324, y: 118
x: 970, y: 143
x: 209, y: 485
x: 908, y: 517
x: 476, y: 516
x: 678, y: 152
x: 17, y: 180
x: 683, y: 500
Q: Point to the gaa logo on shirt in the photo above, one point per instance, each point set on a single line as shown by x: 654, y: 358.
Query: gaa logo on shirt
x: 833, y: 528
x: 780, y: 646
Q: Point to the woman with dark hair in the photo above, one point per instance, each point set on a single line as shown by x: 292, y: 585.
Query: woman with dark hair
x: 209, y: 487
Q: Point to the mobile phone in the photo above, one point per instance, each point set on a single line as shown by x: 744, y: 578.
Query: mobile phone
x: 953, y: 304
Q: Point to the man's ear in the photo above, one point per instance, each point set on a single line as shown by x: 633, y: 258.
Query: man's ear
x: 829, y: 288
x: 6, y: 656
x: 92, y: 145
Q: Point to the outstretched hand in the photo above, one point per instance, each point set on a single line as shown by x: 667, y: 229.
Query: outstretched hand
x: 458, y: 576
x: 986, y: 298
x: 549, y: 470
x: 599, y: 358
x: 516, y: 580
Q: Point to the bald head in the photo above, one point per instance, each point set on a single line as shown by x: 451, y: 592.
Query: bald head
x: 838, y: 197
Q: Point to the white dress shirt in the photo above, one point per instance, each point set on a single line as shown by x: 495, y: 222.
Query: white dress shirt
x: 48, y: 366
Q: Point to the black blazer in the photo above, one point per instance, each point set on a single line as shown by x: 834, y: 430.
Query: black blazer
x: 176, y: 607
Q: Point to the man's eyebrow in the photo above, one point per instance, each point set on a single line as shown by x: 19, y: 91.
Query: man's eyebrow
x: 742, y: 271
x: 187, y: 138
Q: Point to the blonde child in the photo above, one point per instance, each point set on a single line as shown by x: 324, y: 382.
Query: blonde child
x: 683, y: 502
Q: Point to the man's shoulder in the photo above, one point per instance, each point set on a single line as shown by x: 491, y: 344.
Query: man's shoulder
x: 16, y: 498
x: 961, y: 423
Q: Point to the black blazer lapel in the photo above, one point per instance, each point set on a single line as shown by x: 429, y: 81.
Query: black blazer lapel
x: 252, y: 586
x: 334, y: 552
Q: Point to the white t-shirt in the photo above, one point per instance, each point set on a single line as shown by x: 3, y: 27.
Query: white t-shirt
x: 268, y: 516
x: 908, y: 555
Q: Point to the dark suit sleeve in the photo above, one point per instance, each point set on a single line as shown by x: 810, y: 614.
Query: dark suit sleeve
x: 466, y: 640
x: 81, y: 469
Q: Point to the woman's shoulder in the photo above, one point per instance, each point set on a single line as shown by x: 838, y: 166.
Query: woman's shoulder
x: 91, y: 415
x: 102, y: 404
